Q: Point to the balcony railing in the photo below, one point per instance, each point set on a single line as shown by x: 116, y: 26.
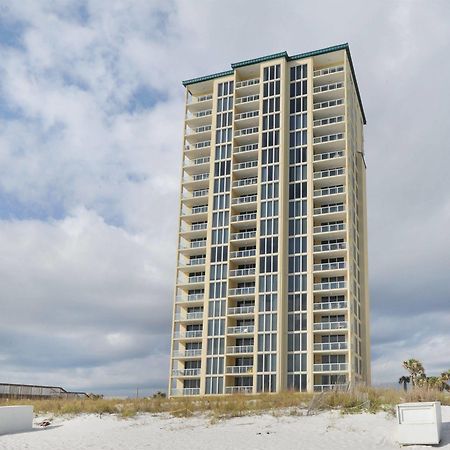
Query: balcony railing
x: 252, y: 82
x: 188, y: 334
x: 242, y: 200
x: 199, y: 209
x: 329, y: 228
x: 246, y: 148
x: 321, y: 326
x: 242, y: 290
x: 328, y: 121
x: 187, y: 353
x: 329, y: 173
x: 199, y: 114
x: 196, y: 177
x: 243, y: 235
x: 240, y: 349
x: 247, y: 115
x: 328, y: 286
x: 186, y: 391
x: 198, y: 227
x: 245, y: 131
x: 332, y: 190
x: 328, y: 138
x: 330, y: 247
x: 328, y: 87
x: 196, y: 261
x: 198, y: 244
x: 329, y: 346
x: 186, y: 372
x: 328, y: 71
x: 328, y: 104
x: 325, y: 306
x: 240, y: 369
x: 196, y: 194
x: 244, y: 329
x: 198, y: 145
x: 238, y: 389
x: 196, y: 162
x: 243, y: 217
x: 197, y: 130
x: 329, y: 209
x: 329, y: 387
x: 197, y: 279
x: 245, y: 182
x: 190, y: 298
x: 329, y: 155
x: 336, y: 367
x: 330, y: 266
x: 243, y: 253
x: 242, y: 272
x: 247, y: 99
x: 245, y: 165
x: 241, y: 310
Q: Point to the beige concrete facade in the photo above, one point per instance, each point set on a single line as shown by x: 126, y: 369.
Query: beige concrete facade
x: 271, y: 288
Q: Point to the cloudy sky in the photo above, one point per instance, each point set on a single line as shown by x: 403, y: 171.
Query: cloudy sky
x: 91, y: 110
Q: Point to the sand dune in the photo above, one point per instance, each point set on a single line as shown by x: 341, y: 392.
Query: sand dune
x: 329, y: 430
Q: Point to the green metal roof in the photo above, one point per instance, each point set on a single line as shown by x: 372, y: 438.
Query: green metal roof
x: 284, y: 54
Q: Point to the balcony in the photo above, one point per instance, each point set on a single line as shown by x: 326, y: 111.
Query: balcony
x: 326, y: 306
x: 327, y: 191
x: 238, y: 389
x: 245, y: 185
x: 190, y: 298
x: 246, y: 151
x: 196, y: 165
x: 247, y: 135
x: 330, y: 229
x: 250, y: 217
x: 328, y: 91
x: 197, y: 181
x: 198, y: 130
x: 328, y: 121
x: 244, y: 255
x: 333, y: 212
x: 244, y: 329
x: 241, y: 310
x: 246, y: 168
x: 244, y: 201
x: 199, y: 117
x: 195, y: 334
x: 336, y: 367
x: 328, y: 267
x: 196, y: 104
x: 186, y: 372
x: 198, y: 315
x: 191, y: 281
x: 185, y: 392
x: 332, y: 247
x: 247, y: 116
x: 328, y: 140
x: 241, y: 291
x: 247, y: 103
x: 326, y: 326
x: 246, y: 83
x: 328, y: 160
x: 240, y: 370
x: 191, y: 247
x: 330, y: 286
x: 196, y: 262
x: 240, y: 349
x: 330, y: 346
x: 329, y: 176
x: 329, y: 387
x: 243, y: 272
x: 192, y: 353
x: 198, y: 149
x: 201, y: 212
x: 193, y: 198
x: 328, y: 71
x: 243, y: 236
x: 326, y: 108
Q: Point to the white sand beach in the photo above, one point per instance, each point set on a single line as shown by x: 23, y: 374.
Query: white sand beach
x: 323, y: 431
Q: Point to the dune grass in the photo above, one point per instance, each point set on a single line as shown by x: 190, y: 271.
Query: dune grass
x: 218, y: 407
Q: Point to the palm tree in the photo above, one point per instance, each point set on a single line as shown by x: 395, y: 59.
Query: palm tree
x: 416, y: 370
x: 405, y: 381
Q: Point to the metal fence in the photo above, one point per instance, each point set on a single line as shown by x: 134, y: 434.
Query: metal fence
x: 30, y: 391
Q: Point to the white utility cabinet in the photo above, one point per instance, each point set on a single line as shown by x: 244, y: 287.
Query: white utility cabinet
x: 15, y: 419
x: 419, y: 423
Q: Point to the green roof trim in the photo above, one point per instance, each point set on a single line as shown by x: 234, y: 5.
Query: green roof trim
x: 249, y: 62
x: 284, y: 54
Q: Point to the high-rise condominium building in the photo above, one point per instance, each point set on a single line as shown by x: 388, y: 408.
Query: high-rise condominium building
x: 271, y: 286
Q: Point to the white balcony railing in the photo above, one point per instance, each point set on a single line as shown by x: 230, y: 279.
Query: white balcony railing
x: 239, y: 369
x: 247, y: 115
x: 244, y: 329
x: 328, y: 71
x: 238, y: 389
x: 196, y: 194
x: 199, y: 209
x: 325, y: 306
x: 329, y: 387
x: 328, y: 87
x: 243, y: 235
x: 245, y: 131
x: 329, y: 228
x: 247, y: 99
x: 329, y: 266
x: 186, y: 392
x: 188, y: 334
x: 242, y: 290
x: 243, y: 253
x: 240, y: 349
x: 241, y: 310
x: 244, y: 199
x: 336, y: 367
x: 196, y: 162
x: 330, y: 247
x: 198, y: 145
x: 199, y: 226
x: 329, y: 155
x: 196, y: 261
x: 324, y: 326
x: 246, y: 148
x: 329, y: 173
x: 245, y: 165
x: 242, y: 272
x: 197, y: 315
x: 186, y: 372
x: 190, y: 353
x: 197, y: 279
x: 329, y: 346
x: 329, y: 286
x: 329, y: 138
x: 332, y: 190
x: 329, y: 209
x: 197, y: 115
x: 252, y: 82
x: 190, y: 298
x: 245, y: 182
x: 243, y: 217
x: 328, y: 121
x: 328, y: 104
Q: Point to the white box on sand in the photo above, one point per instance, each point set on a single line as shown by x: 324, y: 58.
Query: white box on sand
x: 419, y: 423
x: 15, y: 419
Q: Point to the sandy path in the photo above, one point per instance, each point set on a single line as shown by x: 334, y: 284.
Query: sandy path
x: 324, y: 431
